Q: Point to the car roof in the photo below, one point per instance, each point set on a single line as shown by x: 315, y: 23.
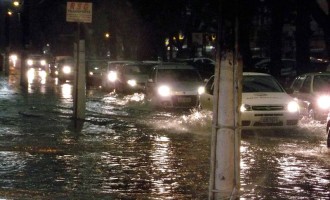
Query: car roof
x: 122, y: 61
x: 174, y: 66
x: 255, y: 74
x: 316, y: 73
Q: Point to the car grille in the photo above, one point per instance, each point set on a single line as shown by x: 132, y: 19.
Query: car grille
x: 184, y: 101
x: 269, y: 115
x: 266, y: 108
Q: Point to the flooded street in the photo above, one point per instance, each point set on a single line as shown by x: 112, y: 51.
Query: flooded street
x: 127, y: 150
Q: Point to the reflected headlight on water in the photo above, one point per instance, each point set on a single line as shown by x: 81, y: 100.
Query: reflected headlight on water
x: 112, y: 76
x: 132, y: 83
x: 293, y: 107
x: 323, y: 102
x: 66, y: 69
x: 164, y: 91
x: 42, y: 74
x: 30, y: 73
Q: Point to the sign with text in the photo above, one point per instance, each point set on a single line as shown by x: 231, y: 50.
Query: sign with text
x: 79, y: 12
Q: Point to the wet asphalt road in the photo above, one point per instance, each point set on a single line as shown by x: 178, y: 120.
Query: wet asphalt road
x: 126, y: 150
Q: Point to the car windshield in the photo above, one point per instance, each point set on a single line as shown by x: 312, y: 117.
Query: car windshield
x: 260, y: 84
x: 178, y: 75
x: 136, y: 69
x: 321, y: 83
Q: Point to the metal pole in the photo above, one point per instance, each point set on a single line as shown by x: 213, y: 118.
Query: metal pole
x: 77, y: 74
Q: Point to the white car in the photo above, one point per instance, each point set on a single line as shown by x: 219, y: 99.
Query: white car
x: 174, y: 85
x: 265, y: 104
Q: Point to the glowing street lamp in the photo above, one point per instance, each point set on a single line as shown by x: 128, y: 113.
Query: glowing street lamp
x: 16, y: 3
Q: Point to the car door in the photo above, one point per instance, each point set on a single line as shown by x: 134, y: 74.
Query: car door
x: 206, y: 99
x: 150, y: 84
x: 305, y: 94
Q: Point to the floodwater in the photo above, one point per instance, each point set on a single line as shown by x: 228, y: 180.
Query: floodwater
x: 127, y: 150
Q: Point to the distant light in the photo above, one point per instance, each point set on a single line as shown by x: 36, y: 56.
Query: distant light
x: 16, y: 3
x: 10, y: 13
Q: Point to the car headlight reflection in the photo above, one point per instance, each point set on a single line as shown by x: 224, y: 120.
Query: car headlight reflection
x: 131, y: 83
x: 323, y: 102
x: 293, y: 107
x: 112, y: 76
x: 164, y: 91
x: 245, y: 107
x: 66, y: 69
x: 30, y: 73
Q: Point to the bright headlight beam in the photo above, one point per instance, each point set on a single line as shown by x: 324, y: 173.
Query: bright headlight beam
x: 132, y: 83
x: 324, y: 102
x: 293, y: 106
x: 164, y: 91
x: 112, y: 76
x: 201, y: 90
x: 67, y: 69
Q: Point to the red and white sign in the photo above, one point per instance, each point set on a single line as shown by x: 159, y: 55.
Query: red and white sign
x: 79, y: 12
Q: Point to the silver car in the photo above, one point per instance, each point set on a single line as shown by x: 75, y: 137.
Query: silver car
x: 265, y: 104
x: 312, y: 91
x: 174, y: 85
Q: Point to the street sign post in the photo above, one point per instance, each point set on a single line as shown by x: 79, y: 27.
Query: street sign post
x: 79, y: 12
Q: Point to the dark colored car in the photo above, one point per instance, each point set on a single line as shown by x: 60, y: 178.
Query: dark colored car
x: 95, y: 69
x: 110, y: 77
x: 312, y: 91
x: 133, y: 77
x: 174, y: 85
x: 65, y: 70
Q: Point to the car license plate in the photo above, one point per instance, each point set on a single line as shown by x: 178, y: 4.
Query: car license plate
x: 184, y: 99
x: 269, y: 120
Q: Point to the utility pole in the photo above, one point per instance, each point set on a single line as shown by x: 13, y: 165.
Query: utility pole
x: 226, y: 133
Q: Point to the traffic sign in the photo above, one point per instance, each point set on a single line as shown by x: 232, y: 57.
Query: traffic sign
x: 79, y: 12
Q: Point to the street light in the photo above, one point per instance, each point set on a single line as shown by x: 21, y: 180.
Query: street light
x: 16, y: 3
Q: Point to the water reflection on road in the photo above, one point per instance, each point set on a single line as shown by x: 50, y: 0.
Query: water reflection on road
x: 127, y: 150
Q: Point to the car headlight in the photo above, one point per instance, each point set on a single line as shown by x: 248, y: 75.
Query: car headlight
x: 245, y: 107
x: 201, y: 90
x: 293, y: 107
x: 43, y: 62
x: 66, y: 69
x: 164, y: 91
x: 112, y: 76
x: 132, y: 83
x: 29, y: 62
x: 323, y: 102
